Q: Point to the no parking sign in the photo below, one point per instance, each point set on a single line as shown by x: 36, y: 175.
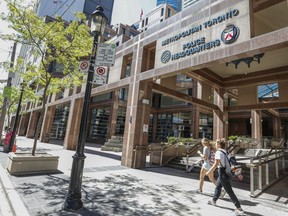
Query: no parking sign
x: 100, y: 75
x: 84, y: 66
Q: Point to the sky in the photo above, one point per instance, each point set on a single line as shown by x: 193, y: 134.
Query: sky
x: 128, y: 11
x: 124, y: 11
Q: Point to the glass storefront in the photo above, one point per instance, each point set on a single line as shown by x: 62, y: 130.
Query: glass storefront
x: 206, y: 126
x: 98, y: 124
x: 59, y: 123
x: 120, y: 125
x: 173, y: 124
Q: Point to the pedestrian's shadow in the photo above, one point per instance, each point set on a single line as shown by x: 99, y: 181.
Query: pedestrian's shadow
x: 243, y: 202
x: 246, y: 213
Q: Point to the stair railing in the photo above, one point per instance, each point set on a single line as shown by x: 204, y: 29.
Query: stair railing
x: 266, y: 167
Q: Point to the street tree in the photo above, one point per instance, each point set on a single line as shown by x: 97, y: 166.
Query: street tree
x: 28, y: 96
x: 52, y: 44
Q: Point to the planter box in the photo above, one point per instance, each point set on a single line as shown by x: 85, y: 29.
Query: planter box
x: 25, y: 163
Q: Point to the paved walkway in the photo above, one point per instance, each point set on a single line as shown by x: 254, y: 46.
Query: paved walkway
x: 111, y: 189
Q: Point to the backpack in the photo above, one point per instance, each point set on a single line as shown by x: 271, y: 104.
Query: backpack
x: 212, y: 157
x: 231, y: 167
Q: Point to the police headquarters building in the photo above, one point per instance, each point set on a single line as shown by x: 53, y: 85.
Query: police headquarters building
x: 216, y: 69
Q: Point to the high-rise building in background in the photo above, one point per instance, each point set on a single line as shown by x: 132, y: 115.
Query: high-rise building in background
x: 67, y: 8
x: 176, y: 4
x: 156, y: 16
x: 187, y: 3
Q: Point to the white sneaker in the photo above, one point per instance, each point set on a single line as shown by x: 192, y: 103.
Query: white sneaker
x: 239, y: 211
x: 223, y: 193
x: 211, y: 202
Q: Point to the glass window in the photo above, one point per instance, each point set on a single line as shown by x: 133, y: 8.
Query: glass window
x: 268, y: 91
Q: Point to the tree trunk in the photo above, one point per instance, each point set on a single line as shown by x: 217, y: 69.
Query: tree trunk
x: 38, y: 128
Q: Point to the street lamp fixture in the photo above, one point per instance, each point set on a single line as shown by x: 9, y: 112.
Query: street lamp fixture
x: 16, y: 121
x: 73, y: 200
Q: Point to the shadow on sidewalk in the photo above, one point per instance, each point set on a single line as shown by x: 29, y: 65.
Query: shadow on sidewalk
x: 112, y: 195
x: 191, y: 175
x: 103, y: 154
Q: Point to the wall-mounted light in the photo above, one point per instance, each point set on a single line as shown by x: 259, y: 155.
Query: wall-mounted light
x: 247, y: 60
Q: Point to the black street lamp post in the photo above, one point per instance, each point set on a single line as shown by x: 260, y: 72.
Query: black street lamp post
x: 12, y: 139
x: 73, y: 198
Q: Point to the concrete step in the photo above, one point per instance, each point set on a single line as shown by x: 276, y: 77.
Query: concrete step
x: 114, y: 141
x: 117, y: 138
x: 116, y: 145
x: 114, y: 149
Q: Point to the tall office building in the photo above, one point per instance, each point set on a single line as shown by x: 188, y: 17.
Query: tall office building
x: 67, y: 8
x: 176, y: 4
x: 187, y: 3
x: 156, y: 16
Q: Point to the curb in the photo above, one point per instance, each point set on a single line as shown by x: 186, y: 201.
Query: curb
x: 15, y: 202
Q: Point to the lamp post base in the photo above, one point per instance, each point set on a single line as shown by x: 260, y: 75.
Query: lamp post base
x: 72, y: 203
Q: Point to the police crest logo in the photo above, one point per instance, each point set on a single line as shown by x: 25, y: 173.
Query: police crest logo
x: 166, y: 56
x: 230, y: 34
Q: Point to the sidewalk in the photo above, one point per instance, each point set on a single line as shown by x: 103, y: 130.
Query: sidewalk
x: 111, y: 189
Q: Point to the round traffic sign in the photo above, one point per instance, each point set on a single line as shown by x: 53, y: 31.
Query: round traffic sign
x: 84, y: 65
x: 101, y: 70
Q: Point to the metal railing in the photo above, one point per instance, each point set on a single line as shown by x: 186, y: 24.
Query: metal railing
x: 265, y: 170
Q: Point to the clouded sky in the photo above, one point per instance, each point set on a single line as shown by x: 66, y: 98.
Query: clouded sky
x: 128, y: 11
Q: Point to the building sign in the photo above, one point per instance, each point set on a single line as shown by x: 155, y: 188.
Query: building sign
x: 100, y: 75
x: 219, y: 30
x: 105, y: 55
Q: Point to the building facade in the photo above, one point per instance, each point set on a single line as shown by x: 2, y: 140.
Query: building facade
x: 176, y: 4
x: 211, y: 70
x: 187, y: 3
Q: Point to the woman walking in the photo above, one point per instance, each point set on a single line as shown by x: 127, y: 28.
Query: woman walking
x: 206, y: 156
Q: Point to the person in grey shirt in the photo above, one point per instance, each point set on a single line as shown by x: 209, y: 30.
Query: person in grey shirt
x: 207, y: 148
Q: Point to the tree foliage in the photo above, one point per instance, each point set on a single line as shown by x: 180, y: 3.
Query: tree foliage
x: 48, y: 41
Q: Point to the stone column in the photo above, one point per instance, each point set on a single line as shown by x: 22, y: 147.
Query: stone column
x: 219, y: 117
x: 155, y: 116
x: 23, y: 124
x: 47, y: 124
x: 256, y: 117
x: 34, y: 116
x: 276, y: 127
x: 137, y: 122
x: 113, y: 115
x: 73, y: 124
x: 195, y: 122
x: 196, y: 92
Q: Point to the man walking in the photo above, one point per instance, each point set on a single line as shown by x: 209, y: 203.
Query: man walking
x: 221, y: 161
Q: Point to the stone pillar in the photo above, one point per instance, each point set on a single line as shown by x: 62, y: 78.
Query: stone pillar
x: 283, y: 91
x: 219, y: 117
x: 113, y: 115
x: 136, y: 125
x: 154, y: 127
x: 155, y: 116
x: 195, y: 122
x: 47, y: 124
x: 276, y: 127
x: 23, y: 124
x: 73, y: 124
x: 34, y: 116
x: 196, y: 92
x: 256, y: 130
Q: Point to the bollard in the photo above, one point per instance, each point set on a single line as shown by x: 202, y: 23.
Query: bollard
x: 14, y: 148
